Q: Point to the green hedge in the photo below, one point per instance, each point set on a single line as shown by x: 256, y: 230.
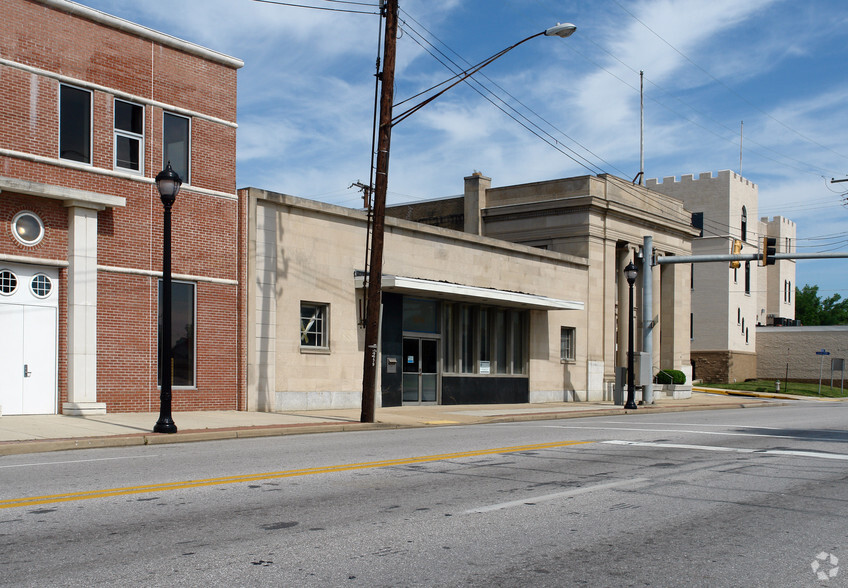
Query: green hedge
x: 670, y: 377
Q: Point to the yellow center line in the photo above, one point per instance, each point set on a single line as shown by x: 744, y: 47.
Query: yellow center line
x: 109, y: 492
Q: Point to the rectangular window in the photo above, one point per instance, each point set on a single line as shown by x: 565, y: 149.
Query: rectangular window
x: 314, y: 333
x: 518, y: 342
x: 484, y: 340
x: 449, y: 343
x: 74, y: 124
x: 176, y: 145
x: 129, y: 136
x: 420, y: 316
x: 183, y: 345
x: 501, y: 338
x: 566, y: 343
x: 466, y: 340
x: 691, y: 326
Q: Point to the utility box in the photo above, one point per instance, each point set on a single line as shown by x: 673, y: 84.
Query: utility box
x: 644, y: 369
x: 618, y: 389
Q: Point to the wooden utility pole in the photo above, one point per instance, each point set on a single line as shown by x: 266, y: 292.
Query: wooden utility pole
x: 375, y: 271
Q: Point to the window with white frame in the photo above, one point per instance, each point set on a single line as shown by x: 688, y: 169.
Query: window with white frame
x: 183, y: 343
x: 74, y: 124
x: 176, y: 145
x: 129, y: 136
x: 314, y: 333
x: 566, y: 343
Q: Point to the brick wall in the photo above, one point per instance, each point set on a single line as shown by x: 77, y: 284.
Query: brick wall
x: 112, y: 62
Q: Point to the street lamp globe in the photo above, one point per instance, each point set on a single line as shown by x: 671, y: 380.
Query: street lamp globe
x: 631, y: 272
x: 561, y: 30
x: 168, y: 184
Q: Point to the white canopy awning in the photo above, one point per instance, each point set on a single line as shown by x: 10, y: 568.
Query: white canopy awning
x: 462, y: 293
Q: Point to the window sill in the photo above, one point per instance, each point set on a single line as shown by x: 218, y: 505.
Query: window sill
x: 315, y: 350
x: 568, y: 361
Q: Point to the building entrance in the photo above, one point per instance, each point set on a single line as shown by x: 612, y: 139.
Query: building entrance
x: 28, y: 317
x: 420, y: 370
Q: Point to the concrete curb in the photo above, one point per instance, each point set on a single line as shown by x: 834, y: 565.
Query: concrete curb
x: 772, y: 395
x: 253, y: 432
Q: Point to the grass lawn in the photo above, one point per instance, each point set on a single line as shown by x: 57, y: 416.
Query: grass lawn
x: 799, y: 388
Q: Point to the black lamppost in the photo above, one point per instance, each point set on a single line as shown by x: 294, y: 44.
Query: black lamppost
x: 630, y: 272
x: 168, y: 183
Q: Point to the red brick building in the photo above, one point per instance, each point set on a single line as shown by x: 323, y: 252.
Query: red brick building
x: 92, y: 107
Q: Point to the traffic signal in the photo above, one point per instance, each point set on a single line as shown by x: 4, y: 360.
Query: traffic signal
x: 736, y: 250
x: 769, y: 249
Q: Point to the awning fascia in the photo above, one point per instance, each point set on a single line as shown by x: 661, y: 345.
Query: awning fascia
x: 463, y: 293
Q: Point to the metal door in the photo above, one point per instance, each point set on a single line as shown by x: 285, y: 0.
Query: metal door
x: 420, y: 370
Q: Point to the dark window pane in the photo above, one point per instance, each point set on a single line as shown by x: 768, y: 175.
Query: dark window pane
x: 75, y: 124
x: 176, y: 145
x: 517, y: 342
x: 313, y: 325
x: 500, y: 338
x: 129, y: 117
x: 420, y: 315
x: 127, y: 152
x: 182, y: 332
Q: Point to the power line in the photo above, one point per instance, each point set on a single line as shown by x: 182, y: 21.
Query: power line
x: 327, y: 8
x: 728, y: 88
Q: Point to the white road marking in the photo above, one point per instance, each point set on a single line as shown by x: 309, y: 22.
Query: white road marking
x: 43, y: 463
x: 558, y: 495
x: 691, y: 425
x: 812, y: 454
x: 694, y: 431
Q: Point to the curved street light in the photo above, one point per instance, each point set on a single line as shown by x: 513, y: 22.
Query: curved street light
x: 374, y: 275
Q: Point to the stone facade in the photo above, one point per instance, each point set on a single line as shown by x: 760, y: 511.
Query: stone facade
x: 302, y: 252
x: 727, y: 303
x: 603, y: 220
x: 84, y: 100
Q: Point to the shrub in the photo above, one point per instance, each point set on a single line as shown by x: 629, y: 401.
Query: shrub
x: 670, y: 377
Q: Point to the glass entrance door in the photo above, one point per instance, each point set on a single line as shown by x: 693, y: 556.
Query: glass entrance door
x: 420, y: 370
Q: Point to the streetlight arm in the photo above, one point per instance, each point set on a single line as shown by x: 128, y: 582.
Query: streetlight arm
x: 560, y: 30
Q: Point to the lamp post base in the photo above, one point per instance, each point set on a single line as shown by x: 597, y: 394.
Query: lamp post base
x: 165, y: 425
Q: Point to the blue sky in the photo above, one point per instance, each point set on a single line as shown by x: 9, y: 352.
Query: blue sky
x: 306, y: 97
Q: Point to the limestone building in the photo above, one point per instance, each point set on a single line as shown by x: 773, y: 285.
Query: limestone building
x: 728, y: 303
x: 601, y: 220
x: 465, y: 319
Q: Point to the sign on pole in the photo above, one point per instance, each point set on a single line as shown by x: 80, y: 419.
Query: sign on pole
x: 821, y: 367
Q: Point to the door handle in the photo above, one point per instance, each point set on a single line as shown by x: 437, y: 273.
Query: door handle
x: 27, y: 373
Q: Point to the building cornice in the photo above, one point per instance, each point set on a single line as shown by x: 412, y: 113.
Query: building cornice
x: 138, y: 30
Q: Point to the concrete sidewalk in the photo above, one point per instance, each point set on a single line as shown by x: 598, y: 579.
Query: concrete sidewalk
x: 38, y: 433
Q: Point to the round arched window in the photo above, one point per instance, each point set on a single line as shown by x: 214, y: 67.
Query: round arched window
x: 28, y: 228
x: 41, y: 286
x: 8, y: 282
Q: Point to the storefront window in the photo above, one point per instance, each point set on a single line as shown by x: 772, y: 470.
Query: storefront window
x: 484, y: 340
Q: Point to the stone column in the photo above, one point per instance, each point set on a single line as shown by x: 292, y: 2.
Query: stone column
x: 82, y: 311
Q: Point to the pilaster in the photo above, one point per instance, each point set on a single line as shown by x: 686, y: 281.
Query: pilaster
x: 82, y: 312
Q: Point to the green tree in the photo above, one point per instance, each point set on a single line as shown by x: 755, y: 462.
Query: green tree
x: 811, y: 310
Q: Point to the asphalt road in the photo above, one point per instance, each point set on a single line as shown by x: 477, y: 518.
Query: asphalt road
x: 753, y: 497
